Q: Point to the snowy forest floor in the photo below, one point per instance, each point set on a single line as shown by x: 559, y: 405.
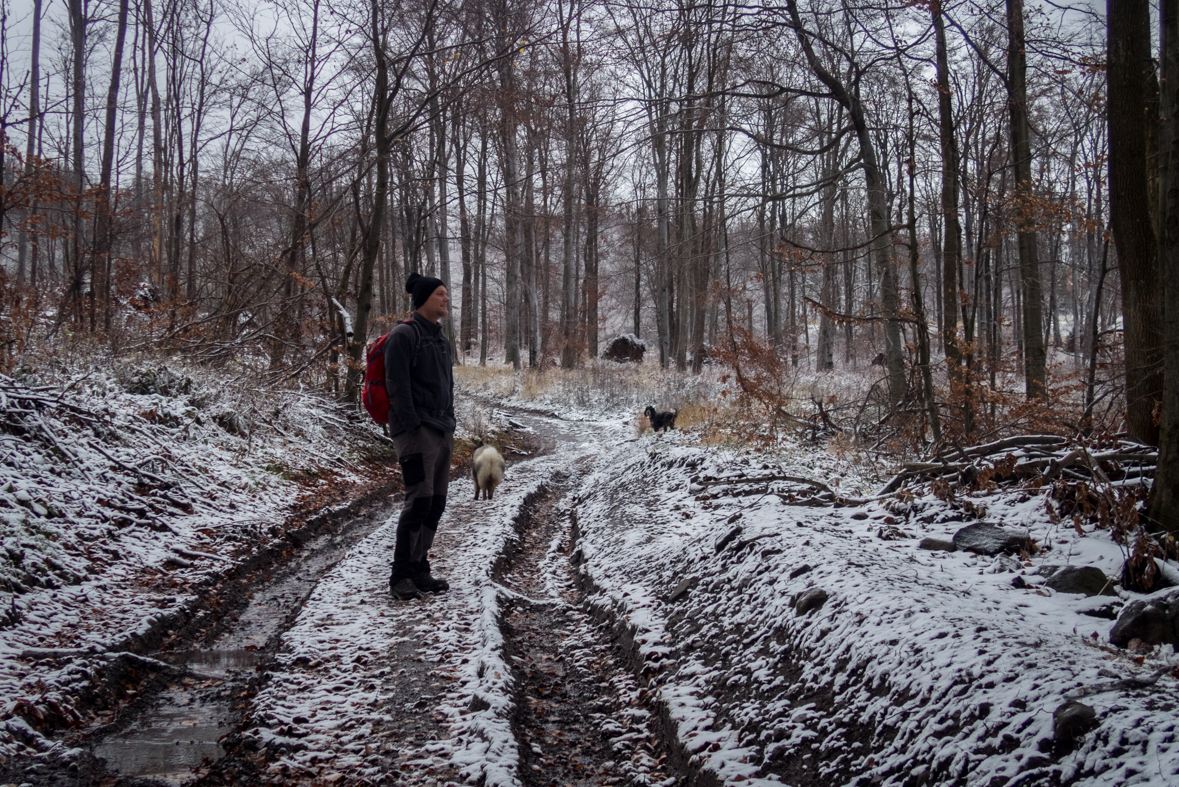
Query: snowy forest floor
x: 197, y: 594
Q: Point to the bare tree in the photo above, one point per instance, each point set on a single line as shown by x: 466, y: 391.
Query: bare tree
x: 78, y: 22
x: 31, y: 139
x: 1035, y: 372
x: 1164, y: 499
x: 848, y: 96
x: 1130, y: 71
x: 102, y: 223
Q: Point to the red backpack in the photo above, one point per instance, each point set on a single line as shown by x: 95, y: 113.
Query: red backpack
x: 374, y: 395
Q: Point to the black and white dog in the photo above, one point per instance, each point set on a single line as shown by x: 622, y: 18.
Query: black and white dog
x: 661, y: 421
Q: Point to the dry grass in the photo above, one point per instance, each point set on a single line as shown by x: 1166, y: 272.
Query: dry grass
x: 600, y: 387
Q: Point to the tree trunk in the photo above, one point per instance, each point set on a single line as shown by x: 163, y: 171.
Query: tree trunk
x: 568, y: 278
x: 952, y: 236
x: 198, y: 116
x: 102, y: 200
x: 513, y: 240
x: 441, y: 215
x: 157, y: 130
x: 659, y: 144
x: 467, y: 313
x: 78, y: 24
x: 481, y: 232
x: 372, y: 229
x: 637, y: 249
x: 1034, y: 357
x: 922, y: 327
x: 30, y: 144
x: 1164, y: 497
x: 1129, y: 69
x: 593, y: 209
x: 285, y: 326
x: 828, y: 292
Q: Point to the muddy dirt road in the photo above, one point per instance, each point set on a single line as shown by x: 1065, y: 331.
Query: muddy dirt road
x: 324, y: 679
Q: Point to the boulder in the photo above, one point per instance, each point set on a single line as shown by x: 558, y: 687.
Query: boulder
x: 681, y: 590
x: 810, y: 600
x: 1155, y: 621
x: 1085, y: 580
x: 626, y: 347
x: 1069, y: 722
x: 727, y: 539
x: 986, y: 539
x: 937, y: 545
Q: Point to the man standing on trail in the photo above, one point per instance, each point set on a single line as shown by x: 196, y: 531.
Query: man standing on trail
x: 420, y: 384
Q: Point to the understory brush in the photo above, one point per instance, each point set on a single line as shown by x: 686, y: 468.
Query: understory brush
x: 970, y: 404
x: 130, y: 447
x: 598, y: 389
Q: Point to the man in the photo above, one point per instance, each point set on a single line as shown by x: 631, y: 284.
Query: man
x: 420, y: 384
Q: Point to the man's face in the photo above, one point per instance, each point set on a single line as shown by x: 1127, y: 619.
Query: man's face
x: 436, y: 306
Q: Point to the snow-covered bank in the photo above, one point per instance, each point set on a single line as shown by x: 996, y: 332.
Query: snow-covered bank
x: 816, y: 645
x: 125, y: 490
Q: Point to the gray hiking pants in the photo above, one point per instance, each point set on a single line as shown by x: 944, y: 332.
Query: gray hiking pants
x: 424, y: 456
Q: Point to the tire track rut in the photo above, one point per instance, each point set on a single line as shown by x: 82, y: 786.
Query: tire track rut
x: 581, y: 716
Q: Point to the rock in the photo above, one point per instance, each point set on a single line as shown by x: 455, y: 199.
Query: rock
x: 810, y: 600
x: 1155, y: 621
x: 681, y: 590
x: 1086, y: 580
x: 1004, y: 565
x: 986, y: 539
x: 803, y: 569
x: 1105, y: 611
x: 937, y: 545
x: 1070, y: 721
x: 728, y: 539
x: 626, y: 347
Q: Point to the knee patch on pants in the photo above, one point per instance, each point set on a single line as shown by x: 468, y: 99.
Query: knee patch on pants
x: 437, y: 506
x: 417, y: 513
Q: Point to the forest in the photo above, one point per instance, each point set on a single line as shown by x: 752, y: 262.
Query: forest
x: 969, y: 203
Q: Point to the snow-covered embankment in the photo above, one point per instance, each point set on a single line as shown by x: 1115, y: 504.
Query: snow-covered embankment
x: 815, y: 645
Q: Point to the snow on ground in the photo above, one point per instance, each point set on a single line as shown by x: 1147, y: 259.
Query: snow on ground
x: 121, y: 490
x: 342, y: 664
x: 920, y: 667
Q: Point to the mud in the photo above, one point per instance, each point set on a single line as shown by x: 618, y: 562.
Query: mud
x: 582, y: 717
x: 179, y: 736
x: 163, y: 716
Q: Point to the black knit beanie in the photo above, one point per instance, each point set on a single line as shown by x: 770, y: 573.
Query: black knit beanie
x: 420, y: 288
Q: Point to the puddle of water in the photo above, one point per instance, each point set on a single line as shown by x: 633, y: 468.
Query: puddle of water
x: 181, y: 731
x: 214, y: 663
x: 179, y: 737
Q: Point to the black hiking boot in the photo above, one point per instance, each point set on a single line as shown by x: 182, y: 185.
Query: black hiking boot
x: 430, y: 584
x: 404, y: 589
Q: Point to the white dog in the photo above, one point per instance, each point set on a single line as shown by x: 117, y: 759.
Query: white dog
x: 487, y: 468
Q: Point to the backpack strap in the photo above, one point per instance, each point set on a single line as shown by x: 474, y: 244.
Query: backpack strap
x: 417, y: 340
